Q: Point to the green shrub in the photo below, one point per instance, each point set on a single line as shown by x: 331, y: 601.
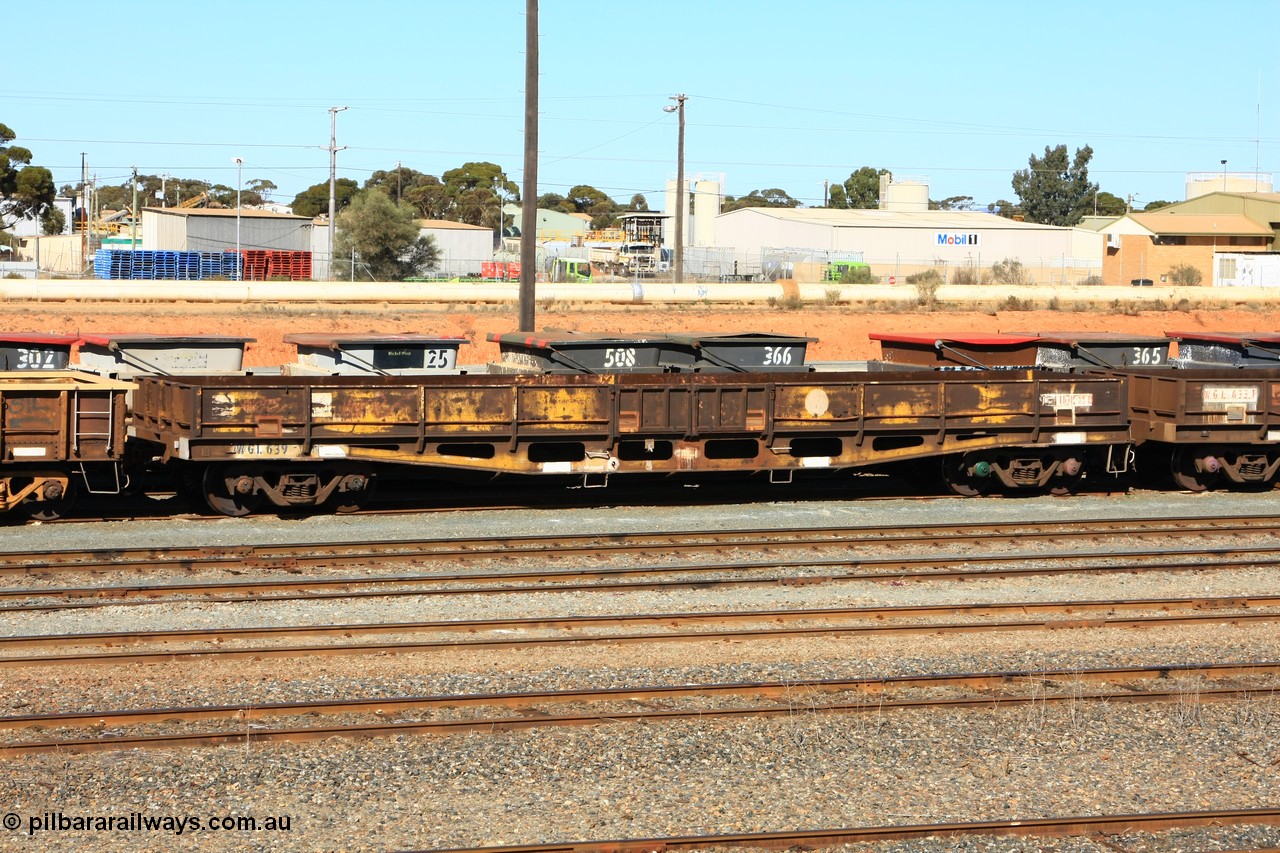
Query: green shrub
x: 1185, y: 275
x: 858, y: 275
x: 1009, y: 271
x: 965, y: 275
x: 926, y: 284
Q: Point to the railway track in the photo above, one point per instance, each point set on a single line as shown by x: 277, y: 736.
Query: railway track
x: 601, y: 579
x: 1000, y: 690
x: 611, y: 546
x: 880, y: 616
x: 1100, y: 826
x: 282, y: 574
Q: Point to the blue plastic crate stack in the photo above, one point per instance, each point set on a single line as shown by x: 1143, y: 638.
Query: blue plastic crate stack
x: 142, y: 264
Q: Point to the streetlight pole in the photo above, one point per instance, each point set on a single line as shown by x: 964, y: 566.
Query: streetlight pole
x: 1224, y: 175
x: 333, y: 182
x: 239, y: 161
x: 678, y: 273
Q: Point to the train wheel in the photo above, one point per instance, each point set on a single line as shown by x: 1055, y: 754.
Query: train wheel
x: 1185, y: 474
x: 1065, y: 487
x: 1070, y: 476
x: 228, y: 491
x: 353, y: 501
x: 51, y: 510
x: 964, y: 480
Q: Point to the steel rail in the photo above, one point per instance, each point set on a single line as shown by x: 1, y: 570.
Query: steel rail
x: 525, y: 699
x: 543, y: 547
x: 263, y: 652
x: 547, y: 580
x: 491, y: 724
x: 1101, y: 825
x: 475, y: 626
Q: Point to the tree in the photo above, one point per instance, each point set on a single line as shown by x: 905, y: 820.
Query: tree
x: 860, y: 191
x: 53, y: 222
x: 471, y: 175
x: 1156, y: 205
x: 1106, y: 204
x: 955, y: 202
x: 428, y: 195
x: 554, y: 201
x: 27, y: 192
x: 1005, y: 208
x: 591, y: 201
x: 394, y: 181
x: 256, y: 192
x: 1054, y: 191
x: 475, y: 190
x: 760, y: 198
x: 385, y: 238
x: 638, y: 203
x: 314, y: 200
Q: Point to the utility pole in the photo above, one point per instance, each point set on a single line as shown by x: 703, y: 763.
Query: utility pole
x: 84, y: 210
x: 399, y: 180
x: 333, y: 182
x: 133, y: 213
x: 529, y: 204
x: 239, y: 161
x: 678, y: 272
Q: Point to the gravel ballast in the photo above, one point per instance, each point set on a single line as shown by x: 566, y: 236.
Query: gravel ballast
x: 804, y: 770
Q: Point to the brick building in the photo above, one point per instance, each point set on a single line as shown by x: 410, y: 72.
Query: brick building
x: 1151, y: 245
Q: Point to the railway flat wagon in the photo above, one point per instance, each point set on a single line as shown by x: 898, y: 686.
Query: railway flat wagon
x: 1220, y: 427
x: 242, y: 441
x: 60, y: 431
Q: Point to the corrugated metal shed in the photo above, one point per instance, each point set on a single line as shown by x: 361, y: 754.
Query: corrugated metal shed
x: 462, y: 247
x: 214, y: 230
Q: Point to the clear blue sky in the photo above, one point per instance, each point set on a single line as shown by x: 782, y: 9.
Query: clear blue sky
x: 781, y: 94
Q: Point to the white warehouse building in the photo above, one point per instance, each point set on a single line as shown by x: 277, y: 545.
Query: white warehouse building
x: 898, y: 243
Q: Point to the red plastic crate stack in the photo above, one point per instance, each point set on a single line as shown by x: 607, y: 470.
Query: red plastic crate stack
x: 296, y: 265
x: 265, y: 264
x: 255, y: 264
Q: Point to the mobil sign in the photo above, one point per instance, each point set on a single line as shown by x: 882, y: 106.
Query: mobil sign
x: 949, y: 238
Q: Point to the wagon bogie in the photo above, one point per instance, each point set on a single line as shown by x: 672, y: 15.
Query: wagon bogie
x: 240, y: 488
x: 1199, y: 468
x: 1057, y: 471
